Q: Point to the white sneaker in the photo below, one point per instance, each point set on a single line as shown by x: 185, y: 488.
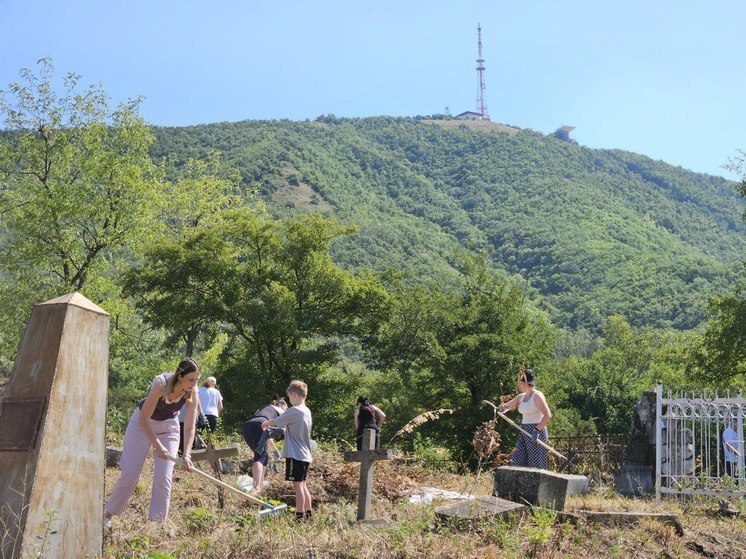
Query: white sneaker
x: 106, y: 523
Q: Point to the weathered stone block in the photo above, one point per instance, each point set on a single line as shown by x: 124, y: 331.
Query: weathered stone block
x: 113, y: 454
x: 538, y: 487
x: 479, y: 508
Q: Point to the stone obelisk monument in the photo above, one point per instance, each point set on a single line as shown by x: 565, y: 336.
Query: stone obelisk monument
x: 52, y: 428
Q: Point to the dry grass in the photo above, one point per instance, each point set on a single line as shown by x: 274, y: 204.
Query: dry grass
x: 196, y: 528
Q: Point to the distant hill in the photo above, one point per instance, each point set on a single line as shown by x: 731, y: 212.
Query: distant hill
x: 596, y: 232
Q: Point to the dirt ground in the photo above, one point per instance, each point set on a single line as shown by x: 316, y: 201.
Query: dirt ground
x: 198, y: 528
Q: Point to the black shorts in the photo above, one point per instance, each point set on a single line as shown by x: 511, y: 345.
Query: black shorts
x: 296, y: 470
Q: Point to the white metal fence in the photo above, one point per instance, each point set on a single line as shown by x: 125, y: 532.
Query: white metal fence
x: 699, y: 444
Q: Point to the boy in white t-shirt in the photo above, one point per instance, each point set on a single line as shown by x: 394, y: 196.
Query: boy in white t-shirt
x: 296, y: 450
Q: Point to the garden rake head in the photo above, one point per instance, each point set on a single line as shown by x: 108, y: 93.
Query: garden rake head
x: 269, y: 510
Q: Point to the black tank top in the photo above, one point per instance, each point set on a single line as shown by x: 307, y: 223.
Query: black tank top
x: 266, y: 413
x: 366, y: 418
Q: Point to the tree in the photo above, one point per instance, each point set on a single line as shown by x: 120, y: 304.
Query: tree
x: 271, y: 284
x: 737, y: 164
x: 78, y: 188
x: 462, y: 345
x: 172, y: 286
x: 721, y: 355
x: 78, y: 182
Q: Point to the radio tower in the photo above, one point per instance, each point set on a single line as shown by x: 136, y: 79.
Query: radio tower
x: 481, y: 105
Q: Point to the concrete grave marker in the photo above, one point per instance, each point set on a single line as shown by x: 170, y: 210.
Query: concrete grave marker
x: 53, y: 421
x: 367, y: 458
x: 480, y: 508
x: 538, y: 487
x: 213, y: 455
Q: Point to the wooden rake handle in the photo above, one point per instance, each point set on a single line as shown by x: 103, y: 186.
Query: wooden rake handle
x: 537, y: 441
x: 222, y: 484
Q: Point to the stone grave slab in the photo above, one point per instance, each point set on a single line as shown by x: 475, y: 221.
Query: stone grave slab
x: 538, y: 487
x: 52, y: 434
x: 479, y: 508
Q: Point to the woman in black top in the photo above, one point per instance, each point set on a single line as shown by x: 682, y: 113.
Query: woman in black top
x: 367, y: 416
x: 257, y: 439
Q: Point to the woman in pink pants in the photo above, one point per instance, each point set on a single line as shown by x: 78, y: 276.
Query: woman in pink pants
x: 154, y: 424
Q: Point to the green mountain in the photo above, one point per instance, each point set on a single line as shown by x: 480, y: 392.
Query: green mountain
x: 596, y: 232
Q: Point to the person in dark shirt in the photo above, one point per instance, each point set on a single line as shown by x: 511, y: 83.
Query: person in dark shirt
x: 258, y: 439
x: 367, y: 416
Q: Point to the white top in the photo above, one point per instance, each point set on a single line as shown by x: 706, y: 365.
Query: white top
x: 730, y: 436
x: 529, y: 410
x: 297, y: 422
x: 209, y: 398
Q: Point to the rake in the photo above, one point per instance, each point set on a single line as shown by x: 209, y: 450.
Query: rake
x: 267, y: 508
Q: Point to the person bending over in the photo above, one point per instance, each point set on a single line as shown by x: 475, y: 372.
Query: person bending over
x: 259, y: 439
x: 154, y: 424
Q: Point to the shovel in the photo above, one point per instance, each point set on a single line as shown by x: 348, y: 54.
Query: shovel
x: 267, y: 508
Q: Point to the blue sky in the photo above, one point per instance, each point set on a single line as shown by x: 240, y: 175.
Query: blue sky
x: 663, y: 78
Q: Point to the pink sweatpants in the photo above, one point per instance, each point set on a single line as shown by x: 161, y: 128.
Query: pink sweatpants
x: 136, y: 448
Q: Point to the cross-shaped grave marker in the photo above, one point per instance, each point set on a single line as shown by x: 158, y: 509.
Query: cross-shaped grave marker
x: 367, y: 458
x: 213, y: 455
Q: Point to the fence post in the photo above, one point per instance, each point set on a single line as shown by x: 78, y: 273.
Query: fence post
x: 740, y: 441
x: 658, y: 441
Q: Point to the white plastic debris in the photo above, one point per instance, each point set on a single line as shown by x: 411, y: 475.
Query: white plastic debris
x: 246, y: 483
x: 426, y: 495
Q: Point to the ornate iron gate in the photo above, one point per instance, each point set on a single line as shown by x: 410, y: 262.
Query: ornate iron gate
x: 699, y: 444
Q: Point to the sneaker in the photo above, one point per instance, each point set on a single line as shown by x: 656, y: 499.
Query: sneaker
x: 106, y: 523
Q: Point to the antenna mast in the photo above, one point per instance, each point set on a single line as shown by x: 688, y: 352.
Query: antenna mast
x: 481, y: 105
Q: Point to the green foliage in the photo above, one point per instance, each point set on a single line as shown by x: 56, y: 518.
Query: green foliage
x: 199, y: 520
x: 506, y: 536
x: 432, y: 456
x: 482, y: 242
x: 454, y: 347
x: 272, y: 285
x: 539, y: 530
x: 720, y: 357
x: 596, y: 392
x: 596, y: 232
x: 79, y: 188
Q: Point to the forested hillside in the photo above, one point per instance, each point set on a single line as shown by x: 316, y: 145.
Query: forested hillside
x: 596, y: 232
x: 249, y: 245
